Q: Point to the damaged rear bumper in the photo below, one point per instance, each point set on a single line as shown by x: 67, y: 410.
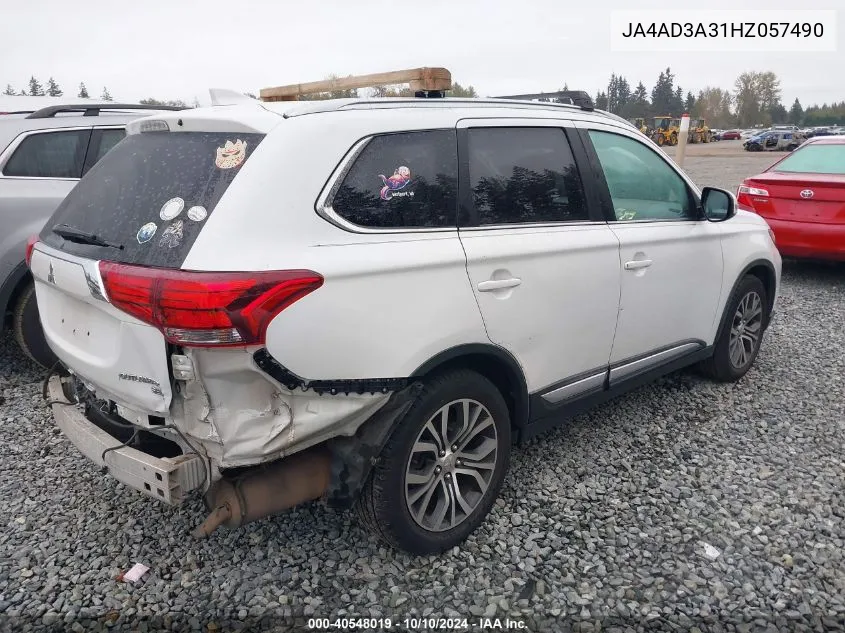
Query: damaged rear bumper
x: 167, y: 479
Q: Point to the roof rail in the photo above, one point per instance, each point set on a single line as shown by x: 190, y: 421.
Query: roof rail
x: 93, y: 109
x: 425, y: 82
x: 575, y: 97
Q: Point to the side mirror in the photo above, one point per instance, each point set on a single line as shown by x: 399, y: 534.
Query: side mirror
x: 718, y: 205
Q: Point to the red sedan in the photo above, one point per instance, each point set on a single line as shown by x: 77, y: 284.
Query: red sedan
x: 731, y: 135
x: 802, y: 197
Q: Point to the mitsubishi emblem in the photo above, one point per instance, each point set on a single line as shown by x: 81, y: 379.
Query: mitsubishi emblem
x: 807, y: 193
x: 50, y: 277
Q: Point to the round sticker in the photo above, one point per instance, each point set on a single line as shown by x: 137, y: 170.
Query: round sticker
x: 146, y: 232
x: 171, y: 208
x: 197, y: 214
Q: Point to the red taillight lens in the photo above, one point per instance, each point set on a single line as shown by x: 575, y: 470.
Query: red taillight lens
x: 746, y: 194
x: 30, y: 244
x: 195, y: 308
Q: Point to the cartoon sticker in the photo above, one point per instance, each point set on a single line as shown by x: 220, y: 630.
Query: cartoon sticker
x: 171, y: 209
x: 231, y: 154
x: 172, y: 235
x: 197, y: 213
x: 146, y: 232
x: 400, y: 179
x: 626, y: 214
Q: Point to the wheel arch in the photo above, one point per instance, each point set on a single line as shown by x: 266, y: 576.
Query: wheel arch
x: 494, y: 363
x: 764, y: 270
x: 11, y: 289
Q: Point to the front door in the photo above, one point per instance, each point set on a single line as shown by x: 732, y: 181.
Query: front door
x: 670, y: 258
x: 542, y: 263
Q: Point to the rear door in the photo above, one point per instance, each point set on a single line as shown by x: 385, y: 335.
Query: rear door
x: 543, y: 264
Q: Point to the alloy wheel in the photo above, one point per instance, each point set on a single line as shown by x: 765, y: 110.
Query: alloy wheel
x: 746, y: 328
x: 451, y: 465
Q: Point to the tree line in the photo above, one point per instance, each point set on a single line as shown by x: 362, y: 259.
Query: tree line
x: 754, y: 100
x: 37, y: 89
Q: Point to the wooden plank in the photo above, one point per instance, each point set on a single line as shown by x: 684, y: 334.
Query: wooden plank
x: 418, y: 79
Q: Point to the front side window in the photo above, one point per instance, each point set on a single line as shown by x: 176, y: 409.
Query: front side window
x: 404, y: 180
x: 49, y: 155
x: 523, y: 175
x: 642, y: 185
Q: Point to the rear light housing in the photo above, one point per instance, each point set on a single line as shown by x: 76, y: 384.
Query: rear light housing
x: 30, y: 245
x: 206, y: 309
x: 746, y: 193
x: 753, y: 191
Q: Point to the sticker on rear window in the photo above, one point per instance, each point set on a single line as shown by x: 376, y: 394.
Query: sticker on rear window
x: 146, y: 232
x: 172, y: 235
x: 231, y: 154
x: 197, y: 213
x: 171, y: 209
x: 393, y: 186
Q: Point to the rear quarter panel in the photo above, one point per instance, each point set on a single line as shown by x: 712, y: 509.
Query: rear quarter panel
x: 390, y: 301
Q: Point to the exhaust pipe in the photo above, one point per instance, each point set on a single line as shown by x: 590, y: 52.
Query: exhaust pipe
x: 264, y: 491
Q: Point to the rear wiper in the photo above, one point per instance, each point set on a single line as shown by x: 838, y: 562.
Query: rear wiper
x: 72, y: 234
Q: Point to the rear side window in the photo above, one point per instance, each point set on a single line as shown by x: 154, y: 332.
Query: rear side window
x: 101, y: 142
x: 405, y: 180
x: 523, y: 175
x: 49, y: 155
x: 152, y: 194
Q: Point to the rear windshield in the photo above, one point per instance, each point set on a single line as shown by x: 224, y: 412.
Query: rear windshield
x: 151, y: 194
x: 815, y: 159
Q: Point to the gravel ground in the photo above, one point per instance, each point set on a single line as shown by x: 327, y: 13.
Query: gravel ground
x: 684, y: 506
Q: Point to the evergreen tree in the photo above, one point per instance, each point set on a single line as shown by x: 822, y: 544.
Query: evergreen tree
x: 35, y: 88
x: 9, y: 90
x: 663, y: 93
x: 83, y: 91
x: 678, y: 102
x: 796, y: 113
x: 106, y: 96
x: 689, y: 104
x: 601, y: 101
x: 53, y: 88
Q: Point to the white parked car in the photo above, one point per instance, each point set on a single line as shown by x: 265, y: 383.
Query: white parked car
x: 369, y: 300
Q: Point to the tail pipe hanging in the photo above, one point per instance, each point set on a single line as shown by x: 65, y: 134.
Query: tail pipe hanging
x: 269, y: 490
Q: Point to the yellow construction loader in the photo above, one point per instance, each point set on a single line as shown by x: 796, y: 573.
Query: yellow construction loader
x: 665, y: 130
x: 699, y: 132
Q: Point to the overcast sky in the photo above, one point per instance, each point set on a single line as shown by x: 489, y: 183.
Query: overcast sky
x: 177, y: 49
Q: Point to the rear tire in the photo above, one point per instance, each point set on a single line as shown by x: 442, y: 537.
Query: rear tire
x: 743, y: 323
x: 418, y: 474
x: 26, y: 325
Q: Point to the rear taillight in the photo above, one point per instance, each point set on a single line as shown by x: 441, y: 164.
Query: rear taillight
x: 30, y: 244
x: 204, y: 309
x: 746, y: 192
x: 753, y: 191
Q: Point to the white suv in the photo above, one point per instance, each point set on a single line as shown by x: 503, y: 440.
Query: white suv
x: 369, y: 300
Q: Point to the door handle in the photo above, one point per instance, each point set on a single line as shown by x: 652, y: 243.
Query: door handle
x: 637, y: 264
x: 498, y: 284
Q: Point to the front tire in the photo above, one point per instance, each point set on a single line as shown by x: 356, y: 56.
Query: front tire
x: 745, y: 319
x: 442, y: 468
x: 26, y: 325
